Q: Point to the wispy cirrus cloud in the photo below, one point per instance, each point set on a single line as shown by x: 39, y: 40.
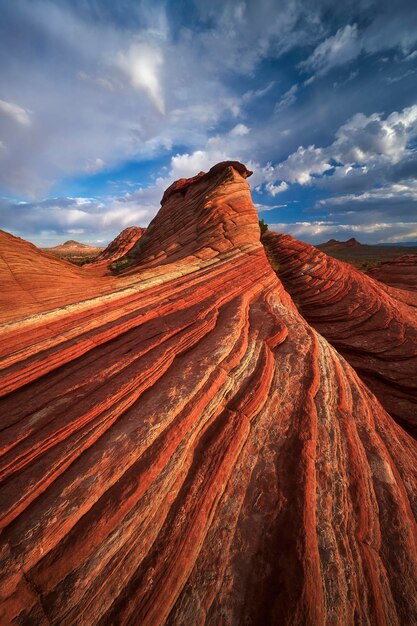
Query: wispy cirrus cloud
x: 334, y: 51
x: 142, y: 63
x: 14, y: 112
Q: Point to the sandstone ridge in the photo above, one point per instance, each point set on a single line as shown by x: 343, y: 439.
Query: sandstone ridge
x: 400, y: 273
x: 368, y: 323
x: 121, y: 244
x: 198, y: 221
x: 183, y: 448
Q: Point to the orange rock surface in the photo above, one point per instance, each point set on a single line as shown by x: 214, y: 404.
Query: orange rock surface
x: 32, y: 280
x: 401, y: 272
x: 121, y: 244
x: 183, y: 448
x: 371, y: 325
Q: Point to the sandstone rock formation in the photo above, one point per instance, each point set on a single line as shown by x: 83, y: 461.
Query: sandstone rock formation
x: 369, y: 324
x: 32, y: 280
x: 186, y: 449
x: 121, y: 244
x: 400, y: 272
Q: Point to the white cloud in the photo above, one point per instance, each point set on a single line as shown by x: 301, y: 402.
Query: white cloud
x: 362, y: 146
x: 239, y: 130
x: 288, y: 98
x: 15, y: 112
x: 59, y: 217
x: 265, y: 207
x: 394, y: 193
x: 274, y: 190
x: 141, y: 63
x: 300, y: 166
x: 362, y: 137
x: 411, y: 56
x: 188, y: 165
x: 334, y: 51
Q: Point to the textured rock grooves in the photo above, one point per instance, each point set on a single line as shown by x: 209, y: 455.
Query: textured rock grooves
x: 33, y: 281
x: 187, y: 450
x: 401, y: 273
x: 369, y: 324
x: 121, y: 245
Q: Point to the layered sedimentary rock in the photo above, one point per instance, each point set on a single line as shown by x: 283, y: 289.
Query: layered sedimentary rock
x: 401, y: 272
x: 369, y: 324
x: 32, y: 281
x: 188, y: 450
x: 121, y: 245
x: 198, y: 221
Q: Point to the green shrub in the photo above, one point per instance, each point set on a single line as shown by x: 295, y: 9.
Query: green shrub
x: 263, y: 226
x: 116, y: 266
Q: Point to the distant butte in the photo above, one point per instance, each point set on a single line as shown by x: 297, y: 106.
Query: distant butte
x: 337, y: 245
x: 179, y: 446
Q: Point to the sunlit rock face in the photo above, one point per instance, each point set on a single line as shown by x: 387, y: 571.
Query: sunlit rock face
x: 121, y: 245
x: 183, y: 448
x: 369, y: 324
x: 401, y: 272
x: 32, y: 281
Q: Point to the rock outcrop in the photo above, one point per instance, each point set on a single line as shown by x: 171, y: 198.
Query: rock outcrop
x: 121, y: 245
x: 188, y: 450
x: 400, y: 272
x: 32, y: 280
x: 369, y: 324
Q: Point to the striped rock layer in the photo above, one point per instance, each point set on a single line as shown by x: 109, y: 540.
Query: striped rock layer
x: 183, y: 448
x: 401, y: 272
x: 121, y: 245
x: 370, y: 324
x: 32, y: 280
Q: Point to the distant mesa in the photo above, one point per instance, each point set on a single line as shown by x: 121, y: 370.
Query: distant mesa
x: 334, y: 243
x: 73, y: 244
x: 74, y: 250
x: 180, y: 446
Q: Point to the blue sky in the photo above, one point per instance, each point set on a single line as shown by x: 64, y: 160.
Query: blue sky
x: 104, y: 104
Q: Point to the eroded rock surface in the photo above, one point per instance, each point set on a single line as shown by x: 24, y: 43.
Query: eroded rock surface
x: 121, y: 245
x: 371, y: 325
x: 188, y: 450
x: 401, y: 272
x: 32, y: 281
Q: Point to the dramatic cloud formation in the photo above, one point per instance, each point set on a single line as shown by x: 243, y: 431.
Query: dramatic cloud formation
x: 363, y: 144
x: 103, y: 104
